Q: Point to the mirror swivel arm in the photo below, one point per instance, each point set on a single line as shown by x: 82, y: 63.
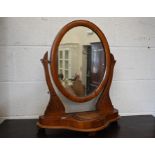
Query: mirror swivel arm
x: 58, y: 106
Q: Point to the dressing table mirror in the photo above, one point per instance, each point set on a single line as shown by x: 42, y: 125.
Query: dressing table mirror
x: 81, y: 68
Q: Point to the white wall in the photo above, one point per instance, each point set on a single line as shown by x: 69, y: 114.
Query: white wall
x: 23, y: 41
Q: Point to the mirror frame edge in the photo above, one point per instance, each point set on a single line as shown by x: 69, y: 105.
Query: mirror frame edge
x: 53, y: 59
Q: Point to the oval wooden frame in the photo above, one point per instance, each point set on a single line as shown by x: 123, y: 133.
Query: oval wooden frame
x: 53, y: 59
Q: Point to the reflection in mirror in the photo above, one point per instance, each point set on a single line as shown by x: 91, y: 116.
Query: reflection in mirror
x: 81, y: 61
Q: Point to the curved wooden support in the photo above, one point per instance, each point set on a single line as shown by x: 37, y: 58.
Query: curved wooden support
x: 104, y: 104
x: 55, y: 116
x: 55, y: 105
x: 47, y: 76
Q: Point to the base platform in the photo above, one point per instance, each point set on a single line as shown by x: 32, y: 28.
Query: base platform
x: 81, y: 121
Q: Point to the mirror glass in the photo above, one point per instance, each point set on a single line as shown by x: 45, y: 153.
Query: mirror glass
x: 80, y: 61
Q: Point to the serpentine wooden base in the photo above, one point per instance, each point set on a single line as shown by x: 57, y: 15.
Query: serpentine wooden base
x: 83, y: 121
x: 92, y: 121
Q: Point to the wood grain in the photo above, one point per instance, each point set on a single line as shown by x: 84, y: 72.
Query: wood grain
x: 55, y: 116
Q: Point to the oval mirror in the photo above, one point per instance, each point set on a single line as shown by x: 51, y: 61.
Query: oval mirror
x: 80, y: 59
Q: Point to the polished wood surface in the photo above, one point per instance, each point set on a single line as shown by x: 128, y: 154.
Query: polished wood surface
x: 55, y: 116
x: 85, y: 121
x: 55, y: 105
x: 104, y: 103
x: 92, y: 121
